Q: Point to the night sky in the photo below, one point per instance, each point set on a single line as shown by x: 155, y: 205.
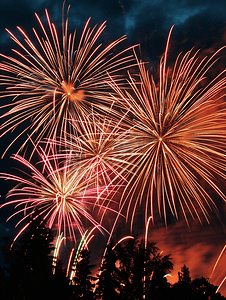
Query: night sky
x: 200, y: 24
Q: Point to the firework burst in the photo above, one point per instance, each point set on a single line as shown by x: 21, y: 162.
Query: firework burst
x: 98, y: 149
x: 177, y: 137
x: 64, y: 199
x: 57, y: 78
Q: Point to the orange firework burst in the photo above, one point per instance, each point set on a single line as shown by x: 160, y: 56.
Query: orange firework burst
x: 177, y: 137
x: 58, y: 78
x: 61, y: 197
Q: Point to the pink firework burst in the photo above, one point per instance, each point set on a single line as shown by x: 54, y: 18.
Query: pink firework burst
x: 63, y: 198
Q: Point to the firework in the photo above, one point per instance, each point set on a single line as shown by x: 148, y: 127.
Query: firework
x: 99, y: 148
x: 220, y: 285
x: 214, y: 267
x: 85, y: 239
x: 59, y: 241
x: 177, y: 137
x: 50, y: 190
x: 217, y: 261
x: 57, y: 78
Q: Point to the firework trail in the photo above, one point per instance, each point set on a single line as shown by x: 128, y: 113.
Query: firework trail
x: 62, y: 198
x: 58, y: 78
x: 177, y: 137
x: 59, y: 241
x: 85, y: 239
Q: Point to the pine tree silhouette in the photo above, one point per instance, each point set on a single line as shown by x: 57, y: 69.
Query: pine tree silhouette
x: 83, y: 286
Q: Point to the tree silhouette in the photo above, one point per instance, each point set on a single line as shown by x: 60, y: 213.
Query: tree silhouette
x: 184, y: 277
x: 132, y: 270
x: 31, y: 263
x: 183, y: 286
x: 82, y: 282
x: 3, y: 285
x: 204, y: 290
x: 142, y: 269
x: 108, y: 286
x: 197, y: 289
x: 129, y: 279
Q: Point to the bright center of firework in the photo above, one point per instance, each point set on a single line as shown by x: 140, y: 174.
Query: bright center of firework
x: 68, y: 88
x: 160, y: 139
x: 72, y: 93
x: 60, y: 198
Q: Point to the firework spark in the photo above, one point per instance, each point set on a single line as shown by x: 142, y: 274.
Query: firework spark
x: 58, y: 78
x: 177, y: 137
x: 63, y: 199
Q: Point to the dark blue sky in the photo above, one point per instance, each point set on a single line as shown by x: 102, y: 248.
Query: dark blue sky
x: 200, y: 24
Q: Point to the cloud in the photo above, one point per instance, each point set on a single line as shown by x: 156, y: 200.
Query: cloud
x: 197, y: 248
x: 199, y: 24
x: 145, y: 22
